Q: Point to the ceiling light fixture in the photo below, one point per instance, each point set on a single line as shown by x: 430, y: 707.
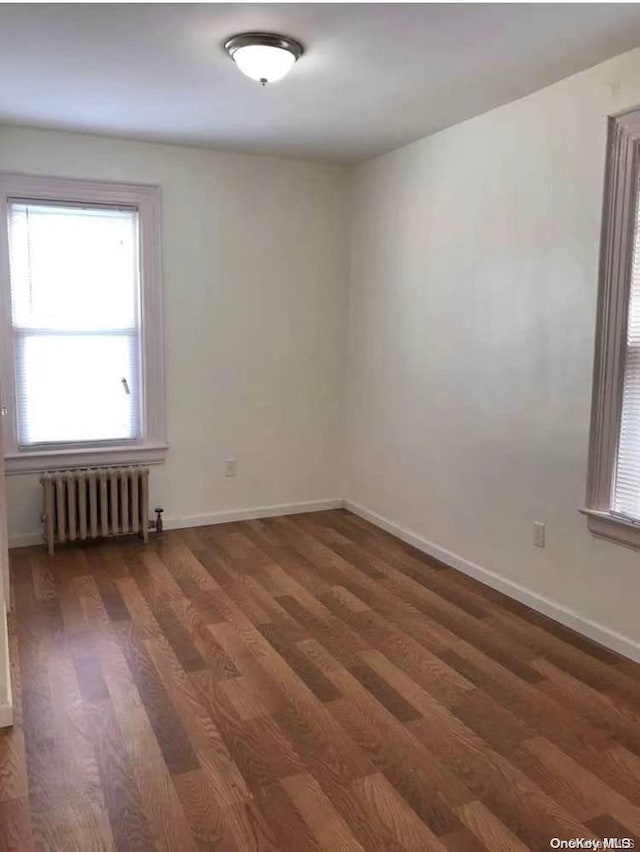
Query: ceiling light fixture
x: 265, y: 57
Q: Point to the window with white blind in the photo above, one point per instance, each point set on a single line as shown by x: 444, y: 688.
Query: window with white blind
x: 625, y: 497
x: 613, y: 486
x: 83, y: 369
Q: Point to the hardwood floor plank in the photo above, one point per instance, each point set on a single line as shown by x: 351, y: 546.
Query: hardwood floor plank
x: 289, y: 827
x: 13, y: 769
x: 326, y: 824
x: 90, y: 680
x: 321, y: 687
x: 621, y: 770
x: 248, y: 830
x: 463, y: 840
x: 423, y: 781
x: 77, y: 767
x: 16, y: 833
x: 442, y: 681
x: 129, y: 824
x: 200, y: 728
x: 153, y: 780
x: 79, y: 824
x: 606, y: 826
x: 169, y: 731
x: 433, y: 575
x: 111, y: 597
x: 335, y: 635
x: 542, y: 713
x: 364, y: 822
x: 580, y: 791
x: 494, y: 723
x: 577, y: 659
x: 177, y: 636
x: 301, y: 684
x: 527, y: 811
x: 617, y: 720
x: 380, y: 797
x: 488, y: 828
x: 202, y: 807
x: 257, y: 747
x: 385, y: 693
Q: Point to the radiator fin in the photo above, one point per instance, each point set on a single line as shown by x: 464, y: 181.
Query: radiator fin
x: 71, y: 505
x: 82, y: 504
x: 93, y: 502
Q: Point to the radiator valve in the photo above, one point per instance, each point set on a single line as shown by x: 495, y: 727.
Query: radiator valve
x: 157, y: 524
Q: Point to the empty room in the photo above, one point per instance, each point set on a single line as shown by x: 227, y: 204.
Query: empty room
x: 320, y: 433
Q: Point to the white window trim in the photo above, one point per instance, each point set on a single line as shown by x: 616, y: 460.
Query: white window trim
x: 151, y: 449
x: 616, y: 252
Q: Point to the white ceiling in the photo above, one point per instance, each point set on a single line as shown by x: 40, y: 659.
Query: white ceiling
x: 374, y: 76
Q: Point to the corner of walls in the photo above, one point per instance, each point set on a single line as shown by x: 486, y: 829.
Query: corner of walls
x: 346, y: 377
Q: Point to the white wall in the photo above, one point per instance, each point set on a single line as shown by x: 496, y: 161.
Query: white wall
x: 474, y: 273
x: 255, y: 285
x: 473, y: 291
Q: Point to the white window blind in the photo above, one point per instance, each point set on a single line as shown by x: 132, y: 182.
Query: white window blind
x: 75, y: 320
x: 626, y: 481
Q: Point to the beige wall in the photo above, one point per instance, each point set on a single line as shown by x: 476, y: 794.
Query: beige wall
x: 473, y: 293
x: 254, y: 254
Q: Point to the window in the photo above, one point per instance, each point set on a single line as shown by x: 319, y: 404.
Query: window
x: 83, y: 362
x: 613, y: 487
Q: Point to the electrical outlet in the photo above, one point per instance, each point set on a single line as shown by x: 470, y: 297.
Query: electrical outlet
x: 230, y: 467
x: 539, y: 533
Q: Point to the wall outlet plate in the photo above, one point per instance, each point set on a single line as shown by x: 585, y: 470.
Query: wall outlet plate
x: 230, y: 467
x: 539, y: 533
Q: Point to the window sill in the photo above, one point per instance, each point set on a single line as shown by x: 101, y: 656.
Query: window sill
x: 613, y: 528
x: 42, y: 460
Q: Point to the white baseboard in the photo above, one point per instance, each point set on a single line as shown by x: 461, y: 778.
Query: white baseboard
x: 253, y: 513
x: 558, y: 612
x: 25, y: 539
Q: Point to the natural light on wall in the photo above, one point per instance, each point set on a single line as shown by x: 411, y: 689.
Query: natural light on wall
x: 75, y: 319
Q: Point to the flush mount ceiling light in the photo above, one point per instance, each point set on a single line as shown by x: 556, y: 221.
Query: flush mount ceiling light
x: 265, y: 57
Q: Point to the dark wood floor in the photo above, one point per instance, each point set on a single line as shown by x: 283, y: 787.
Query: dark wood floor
x: 299, y: 684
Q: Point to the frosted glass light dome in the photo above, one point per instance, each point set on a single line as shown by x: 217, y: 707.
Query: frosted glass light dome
x: 264, y: 57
